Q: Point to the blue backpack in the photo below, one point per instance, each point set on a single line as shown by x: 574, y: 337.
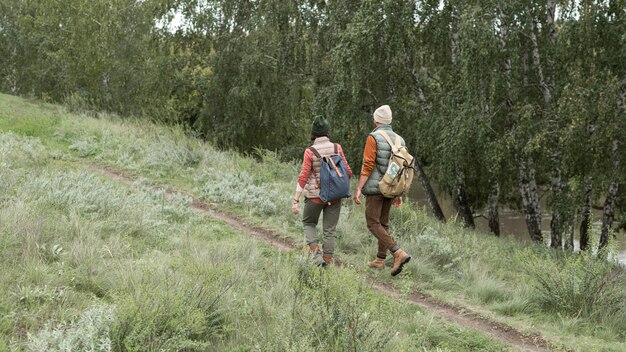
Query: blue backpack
x: 334, y: 181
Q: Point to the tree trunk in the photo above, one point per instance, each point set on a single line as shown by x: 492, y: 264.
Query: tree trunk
x: 430, y: 193
x: 504, y: 34
x: 609, y: 204
x: 421, y: 175
x: 526, y: 180
x: 586, y: 214
x: 588, y: 191
x: 557, y: 222
x: 461, y: 202
x: 608, y: 213
x: 545, y: 89
x: 460, y: 199
x: 493, y: 215
x: 530, y: 199
x: 568, y: 244
x: 550, y: 24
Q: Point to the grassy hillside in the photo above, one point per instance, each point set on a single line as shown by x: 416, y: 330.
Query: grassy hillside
x: 92, y: 263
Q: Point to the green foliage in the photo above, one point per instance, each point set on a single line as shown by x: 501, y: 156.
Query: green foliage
x: 16, y: 151
x: 84, y: 148
x: 240, y: 188
x: 469, y: 95
x: 437, y: 248
x: 341, y: 320
x: 577, y: 285
x: 128, y: 246
x: 248, y: 186
x: 166, y: 310
x: 91, y: 332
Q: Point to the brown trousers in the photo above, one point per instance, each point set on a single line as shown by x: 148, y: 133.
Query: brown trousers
x: 377, y: 209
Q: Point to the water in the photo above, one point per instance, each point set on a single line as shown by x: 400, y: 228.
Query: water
x: 513, y: 223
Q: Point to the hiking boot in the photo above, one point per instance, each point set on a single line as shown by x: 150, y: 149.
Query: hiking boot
x: 328, y: 259
x: 399, y: 259
x: 377, y: 263
x: 315, y: 256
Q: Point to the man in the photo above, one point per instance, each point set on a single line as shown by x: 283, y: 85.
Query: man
x: 377, y: 207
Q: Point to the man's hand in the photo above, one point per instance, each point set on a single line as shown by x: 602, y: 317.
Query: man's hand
x: 357, y: 196
x: 397, y: 202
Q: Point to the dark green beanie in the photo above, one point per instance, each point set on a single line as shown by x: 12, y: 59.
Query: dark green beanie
x: 320, y: 126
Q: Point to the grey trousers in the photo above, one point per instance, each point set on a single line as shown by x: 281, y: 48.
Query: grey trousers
x: 310, y: 218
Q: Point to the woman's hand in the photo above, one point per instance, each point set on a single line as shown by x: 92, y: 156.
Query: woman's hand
x: 357, y: 196
x: 294, y: 208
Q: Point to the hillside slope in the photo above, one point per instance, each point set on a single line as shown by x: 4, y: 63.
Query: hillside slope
x: 92, y: 260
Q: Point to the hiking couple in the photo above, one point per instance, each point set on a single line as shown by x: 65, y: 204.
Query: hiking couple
x: 377, y: 207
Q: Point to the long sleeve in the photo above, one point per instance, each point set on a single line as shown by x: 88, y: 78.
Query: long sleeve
x: 369, y: 156
x: 305, y: 172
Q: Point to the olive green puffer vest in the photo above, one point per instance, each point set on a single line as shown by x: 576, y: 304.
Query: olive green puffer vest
x: 383, y: 153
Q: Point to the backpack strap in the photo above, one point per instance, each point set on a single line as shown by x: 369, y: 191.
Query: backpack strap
x: 394, y: 146
x: 332, y: 162
x: 317, y: 154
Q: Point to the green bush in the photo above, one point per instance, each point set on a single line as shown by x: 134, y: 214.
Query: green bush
x: 91, y: 332
x: 575, y: 284
x: 239, y: 188
x: 168, y: 310
x: 436, y: 247
x: 344, y: 318
x: 17, y: 151
x: 85, y: 147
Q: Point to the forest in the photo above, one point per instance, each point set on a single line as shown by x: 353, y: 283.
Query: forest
x: 502, y: 102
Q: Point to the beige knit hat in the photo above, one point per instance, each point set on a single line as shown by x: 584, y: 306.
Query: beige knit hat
x: 383, y: 115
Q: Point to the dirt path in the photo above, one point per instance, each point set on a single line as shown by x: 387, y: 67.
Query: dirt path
x: 461, y: 316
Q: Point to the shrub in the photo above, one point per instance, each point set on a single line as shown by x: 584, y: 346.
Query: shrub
x: 17, y: 151
x: 91, y: 332
x: 239, y: 188
x: 344, y: 318
x: 172, y: 154
x: 436, y: 247
x: 575, y: 284
x: 85, y: 147
x: 168, y: 310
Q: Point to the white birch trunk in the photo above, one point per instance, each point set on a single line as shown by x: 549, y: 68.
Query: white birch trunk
x: 608, y: 214
x: 530, y: 199
x: 545, y: 89
x: 587, y: 193
x: 504, y: 35
x: 556, y: 224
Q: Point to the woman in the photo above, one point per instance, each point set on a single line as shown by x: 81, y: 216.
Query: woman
x: 308, y: 183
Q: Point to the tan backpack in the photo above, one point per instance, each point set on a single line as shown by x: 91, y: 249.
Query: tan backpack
x: 397, y: 180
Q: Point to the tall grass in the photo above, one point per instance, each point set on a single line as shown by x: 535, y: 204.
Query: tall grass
x: 579, y: 286
x: 82, y: 241
x: 91, y: 264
